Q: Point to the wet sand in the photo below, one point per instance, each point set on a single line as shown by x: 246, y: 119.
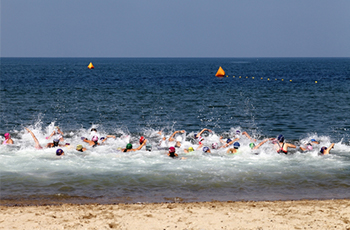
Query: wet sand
x: 304, y: 214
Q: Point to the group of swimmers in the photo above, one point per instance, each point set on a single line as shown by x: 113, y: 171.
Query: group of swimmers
x: 174, y: 141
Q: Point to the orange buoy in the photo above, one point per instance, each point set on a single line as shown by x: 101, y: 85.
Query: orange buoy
x: 91, y: 66
x: 220, y: 72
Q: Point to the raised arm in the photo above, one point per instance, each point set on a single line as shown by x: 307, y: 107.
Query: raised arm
x: 247, y: 135
x: 205, y: 129
x: 37, y: 144
x: 261, y: 143
x: 140, y: 147
x: 171, y: 138
x: 329, y: 149
x: 230, y: 143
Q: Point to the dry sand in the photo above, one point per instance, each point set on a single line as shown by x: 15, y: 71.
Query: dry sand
x: 304, y: 214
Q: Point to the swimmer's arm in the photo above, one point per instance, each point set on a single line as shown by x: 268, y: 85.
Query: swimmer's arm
x: 329, y: 149
x: 140, y: 147
x: 291, y: 146
x: 200, y: 146
x: 108, y: 136
x: 51, y: 135
x: 37, y: 144
x: 247, y: 135
x: 260, y: 144
x: 230, y: 143
x: 302, y: 148
x: 205, y: 129
x: 223, y: 142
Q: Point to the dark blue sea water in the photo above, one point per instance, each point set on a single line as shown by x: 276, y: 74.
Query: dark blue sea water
x: 301, y: 98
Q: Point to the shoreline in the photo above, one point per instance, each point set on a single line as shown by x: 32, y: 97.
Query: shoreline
x: 292, y: 214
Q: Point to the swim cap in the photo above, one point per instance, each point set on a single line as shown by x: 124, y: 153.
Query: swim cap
x: 94, y: 138
x: 238, y: 132
x: 313, y: 140
x: 7, y: 136
x: 83, y: 138
x: 195, y: 135
x: 129, y: 146
x: 214, y: 145
x: 228, y: 140
x: 205, y: 149
x: 309, y: 147
x: 190, y: 149
x: 171, y: 150
x: 56, y: 140
x: 280, y: 138
x: 93, y: 129
x: 79, y: 147
x: 102, y: 138
x: 323, y: 149
x: 59, y: 152
x: 236, y: 145
x: 178, y: 139
x: 200, y: 138
x: 56, y: 127
x: 148, y: 147
x: 142, y: 139
x: 251, y: 145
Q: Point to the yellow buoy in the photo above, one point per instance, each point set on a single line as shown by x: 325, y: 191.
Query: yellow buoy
x: 282, y: 79
x: 240, y: 77
x: 226, y: 75
x: 275, y: 79
x: 253, y: 77
x: 261, y: 78
x: 91, y: 66
x: 220, y: 72
x: 246, y: 77
x: 316, y: 82
x: 233, y: 76
x: 268, y: 79
x: 290, y: 80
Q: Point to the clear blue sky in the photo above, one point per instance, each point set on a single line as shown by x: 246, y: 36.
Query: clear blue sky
x: 175, y: 28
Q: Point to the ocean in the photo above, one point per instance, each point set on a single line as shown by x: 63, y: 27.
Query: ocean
x: 301, y: 98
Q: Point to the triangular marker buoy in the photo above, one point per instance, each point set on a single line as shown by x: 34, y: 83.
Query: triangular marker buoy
x: 91, y: 66
x: 220, y: 72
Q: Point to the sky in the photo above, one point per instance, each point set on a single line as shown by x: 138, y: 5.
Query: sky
x: 175, y: 28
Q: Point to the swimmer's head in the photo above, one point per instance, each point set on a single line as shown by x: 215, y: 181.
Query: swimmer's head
x: 148, y: 147
x: 280, y: 138
x: 228, y: 140
x: 129, y: 146
x: 190, y: 149
x: 55, y: 142
x: 7, y: 136
x: 200, y: 138
x: 94, y: 138
x: 309, y: 147
x: 93, y: 130
x: 57, y: 128
x: 214, y: 145
x: 102, y: 138
x: 171, y: 150
x: 205, y: 149
x: 59, y: 152
x: 236, y: 145
x: 323, y: 149
x: 251, y: 145
x: 195, y: 136
x: 79, y: 147
x: 142, y: 139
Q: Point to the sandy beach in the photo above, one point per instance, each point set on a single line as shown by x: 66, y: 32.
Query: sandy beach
x: 304, y: 214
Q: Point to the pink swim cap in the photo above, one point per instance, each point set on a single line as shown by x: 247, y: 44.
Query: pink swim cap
x: 7, y: 136
x: 171, y: 150
x: 94, y: 138
x: 309, y: 147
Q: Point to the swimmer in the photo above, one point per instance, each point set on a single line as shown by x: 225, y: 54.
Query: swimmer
x: 235, y: 148
x: 8, y: 140
x: 281, y: 146
x: 229, y: 142
x: 196, y: 136
x: 59, y: 152
x: 80, y: 148
x: 206, y: 150
x: 324, y: 150
x: 178, y: 138
x: 253, y: 146
x: 129, y: 148
x: 37, y: 144
x: 58, y: 134
x: 214, y: 145
x: 238, y: 135
x: 190, y: 149
x: 148, y: 147
x: 55, y: 143
x: 94, y: 140
x: 309, y: 146
x: 172, y: 153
